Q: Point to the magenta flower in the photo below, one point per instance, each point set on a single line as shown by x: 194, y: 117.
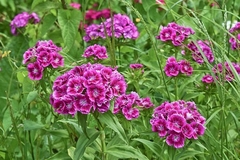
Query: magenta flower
x: 75, y: 86
x: 121, y: 27
x: 45, y: 53
x: 83, y: 104
x: 234, y: 41
x: 136, y: 66
x: 91, y: 89
x: 21, y: 20
x: 207, y: 79
x: 197, y: 54
x: 96, y: 93
x: 75, y: 5
x: 185, y: 67
x: 160, y: 126
x: 171, y: 69
x: 175, y: 33
x: 177, y: 121
x: 35, y: 71
x: 175, y: 139
x: 44, y: 58
x: 96, y: 51
x: 128, y: 104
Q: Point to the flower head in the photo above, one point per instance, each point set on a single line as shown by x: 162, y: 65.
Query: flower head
x: 22, y: 19
x: 177, y: 121
x: 90, y: 86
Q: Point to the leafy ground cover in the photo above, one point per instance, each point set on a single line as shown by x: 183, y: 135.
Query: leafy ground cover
x: 119, y: 79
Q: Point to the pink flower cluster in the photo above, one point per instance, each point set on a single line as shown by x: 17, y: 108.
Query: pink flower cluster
x: 219, y: 69
x: 92, y: 15
x: 172, y: 67
x: 22, y: 19
x: 122, y: 26
x: 208, y: 79
x: 196, y: 53
x: 96, y: 51
x: 86, y: 88
x: 75, y: 5
x: 129, y: 105
x: 136, y: 66
x: 177, y: 121
x: 234, y: 41
x: 175, y: 33
x: 42, y: 55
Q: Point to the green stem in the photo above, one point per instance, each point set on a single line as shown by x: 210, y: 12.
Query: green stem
x: 13, y: 119
x: 176, y: 88
x: 64, y: 4
x: 152, y: 39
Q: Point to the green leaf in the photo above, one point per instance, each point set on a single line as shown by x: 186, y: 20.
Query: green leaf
x: 46, y: 6
x: 31, y: 125
x: 71, y: 151
x: 82, y: 143
x: 112, y: 122
x: 60, y: 155
x: 47, y: 22
x: 82, y: 120
x: 154, y: 147
x: 31, y: 96
x: 124, y: 151
x: 69, y: 21
x: 59, y: 133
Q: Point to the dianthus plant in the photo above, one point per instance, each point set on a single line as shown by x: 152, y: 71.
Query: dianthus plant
x: 86, y: 88
x: 44, y: 54
x: 177, y: 121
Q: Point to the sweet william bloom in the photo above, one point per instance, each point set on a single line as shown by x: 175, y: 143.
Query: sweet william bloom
x: 35, y: 71
x: 75, y: 5
x: 175, y: 139
x: 96, y: 51
x: 171, y: 69
x: 136, y: 66
x: 207, y: 79
x: 177, y: 121
x: 22, y: 19
x: 90, y: 87
x: 185, y: 67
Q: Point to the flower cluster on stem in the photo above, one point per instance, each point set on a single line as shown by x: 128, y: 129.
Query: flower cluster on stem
x: 87, y: 88
x: 177, y: 121
x: 173, y: 68
x: 119, y: 26
x: 196, y: 53
x: 43, y: 54
x: 234, y: 41
x: 175, y: 33
x: 131, y: 104
x: 22, y: 19
x: 96, y: 51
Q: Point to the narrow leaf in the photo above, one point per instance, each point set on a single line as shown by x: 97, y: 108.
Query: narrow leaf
x: 31, y: 96
x: 31, y: 125
x: 124, y: 151
x: 82, y: 143
x: 112, y: 122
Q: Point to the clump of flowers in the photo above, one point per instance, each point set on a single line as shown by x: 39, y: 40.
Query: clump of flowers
x: 219, y: 70
x: 96, y: 51
x: 75, y: 5
x: 22, y: 19
x: 122, y: 27
x: 177, y: 121
x: 136, y: 66
x: 92, y: 15
x: 208, y: 79
x: 87, y: 88
x: 196, y: 53
x: 43, y: 54
x: 234, y: 41
x: 175, y: 33
x: 173, y: 68
x: 131, y: 104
